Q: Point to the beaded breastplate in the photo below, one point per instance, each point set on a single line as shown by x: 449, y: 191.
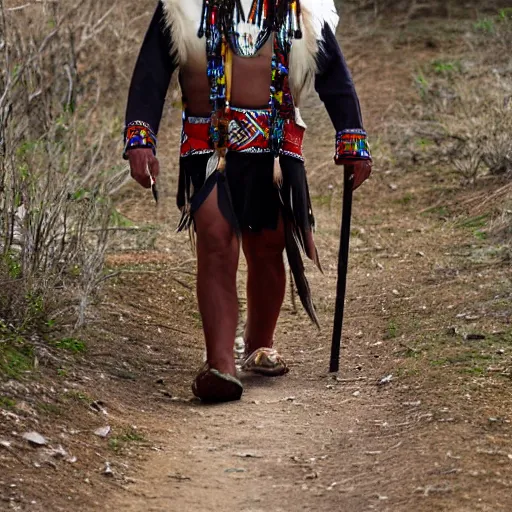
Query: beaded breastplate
x: 229, y: 30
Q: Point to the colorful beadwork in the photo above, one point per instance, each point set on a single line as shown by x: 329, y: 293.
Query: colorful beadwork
x: 351, y: 145
x: 227, y: 29
x: 195, y: 137
x: 138, y: 134
x: 281, y: 103
x: 255, y: 33
x: 248, y: 132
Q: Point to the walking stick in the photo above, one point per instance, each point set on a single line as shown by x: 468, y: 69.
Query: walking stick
x: 341, y: 287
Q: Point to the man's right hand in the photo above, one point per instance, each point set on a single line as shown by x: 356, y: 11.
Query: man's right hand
x: 143, y: 163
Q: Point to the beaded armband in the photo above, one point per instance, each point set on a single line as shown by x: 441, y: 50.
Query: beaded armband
x: 351, y: 145
x: 138, y: 134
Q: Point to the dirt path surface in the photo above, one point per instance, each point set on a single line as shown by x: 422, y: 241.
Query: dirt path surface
x: 310, y: 441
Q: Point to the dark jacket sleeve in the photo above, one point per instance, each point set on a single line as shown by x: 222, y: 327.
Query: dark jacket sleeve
x: 335, y: 86
x: 152, y: 74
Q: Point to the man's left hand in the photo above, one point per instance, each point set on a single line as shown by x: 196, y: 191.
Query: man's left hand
x: 361, y: 169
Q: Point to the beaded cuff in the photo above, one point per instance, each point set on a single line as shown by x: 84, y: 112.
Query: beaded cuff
x: 351, y: 145
x: 138, y: 134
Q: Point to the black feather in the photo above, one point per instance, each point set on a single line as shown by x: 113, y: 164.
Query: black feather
x: 294, y: 255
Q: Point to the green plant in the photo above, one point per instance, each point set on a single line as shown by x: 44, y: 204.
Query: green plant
x: 7, y: 403
x: 35, y: 303
x: 476, y: 225
x: 114, y: 443
x: 424, y: 143
x: 72, y: 344
x: 13, y: 264
x: 119, y: 220
x: 479, y: 221
x: 485, y: 25
x: 392, y: 330
x: 505, y: 14
x: 129, y: 435
x: 16, y: 359
x: 481, y: 235
x: 446, y: 68
x: 132, y: 435
x: 474, y: 370
x: 422, y: 85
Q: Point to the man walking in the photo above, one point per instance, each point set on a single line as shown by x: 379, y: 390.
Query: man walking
x: 244, y: 66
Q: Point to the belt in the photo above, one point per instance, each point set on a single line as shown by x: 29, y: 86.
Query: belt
x: 248, y: 132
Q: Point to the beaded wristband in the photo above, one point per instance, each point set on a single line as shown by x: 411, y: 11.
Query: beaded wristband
x: 138, y: 134
x: 351, y: 145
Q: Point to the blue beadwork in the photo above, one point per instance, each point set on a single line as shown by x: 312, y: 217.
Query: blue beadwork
x: 220, y: 20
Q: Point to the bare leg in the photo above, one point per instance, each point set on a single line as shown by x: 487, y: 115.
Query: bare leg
x: 217, y: 262
x: 266, y: 284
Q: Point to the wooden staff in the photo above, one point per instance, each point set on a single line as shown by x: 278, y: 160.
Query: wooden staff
x: 341, y: 288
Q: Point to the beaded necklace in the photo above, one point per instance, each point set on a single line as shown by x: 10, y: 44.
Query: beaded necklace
x: 222, y: 22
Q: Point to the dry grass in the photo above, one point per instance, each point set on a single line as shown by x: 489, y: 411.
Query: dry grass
x: 460, y: 126
x: 60, y: 137
x: 464, y: 116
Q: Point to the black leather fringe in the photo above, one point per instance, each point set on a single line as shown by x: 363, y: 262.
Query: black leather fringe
x: 291, y: 201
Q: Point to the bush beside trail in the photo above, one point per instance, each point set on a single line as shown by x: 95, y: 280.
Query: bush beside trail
x: 60, y: 138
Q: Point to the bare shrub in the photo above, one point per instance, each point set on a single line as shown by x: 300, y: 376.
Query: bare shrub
x: 57, y: 154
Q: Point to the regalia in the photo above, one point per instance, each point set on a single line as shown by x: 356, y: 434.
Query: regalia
x: 184, y: 18
x: 207, y: 36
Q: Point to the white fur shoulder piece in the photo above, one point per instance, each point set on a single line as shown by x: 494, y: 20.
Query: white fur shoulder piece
x: 303, y: 57
x: 321, y: 12
x: 184, y: 16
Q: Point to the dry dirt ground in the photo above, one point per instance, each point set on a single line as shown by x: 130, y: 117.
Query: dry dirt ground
x: 429, y: 304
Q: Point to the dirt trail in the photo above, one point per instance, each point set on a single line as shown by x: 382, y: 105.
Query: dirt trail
x: 270, y: 453
x: 311, y: 442
x: 308, y: 441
